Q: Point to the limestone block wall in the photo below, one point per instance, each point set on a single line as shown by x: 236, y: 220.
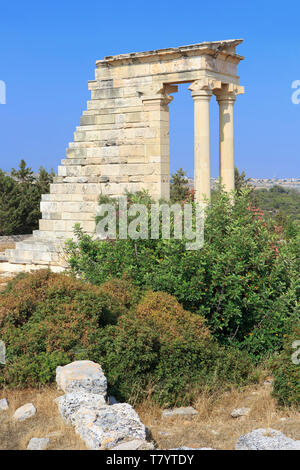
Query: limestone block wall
x: 122, y: 142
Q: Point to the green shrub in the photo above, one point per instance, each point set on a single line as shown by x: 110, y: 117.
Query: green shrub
x: 286, y: 387
x: 244, y: 280
x: 166, y: 353
x: 147, y: 344
x: 50, y: 319
x: 122, y: 291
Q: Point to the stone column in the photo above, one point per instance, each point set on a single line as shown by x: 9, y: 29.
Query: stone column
x: 202, y: 91
x: 226, y: 99
x: 156, y: 101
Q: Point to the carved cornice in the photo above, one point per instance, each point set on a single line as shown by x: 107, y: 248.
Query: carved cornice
x: 229, y: 92
x: 224, y: 48
x: 204, y: 87
x: 157, y: 91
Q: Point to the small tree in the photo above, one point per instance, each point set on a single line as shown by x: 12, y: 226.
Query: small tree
x: 179, y: 189
x: 20, y: 195
x: 240, y: 180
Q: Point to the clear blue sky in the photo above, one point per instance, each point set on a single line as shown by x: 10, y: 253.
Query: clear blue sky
x: 48, y: 53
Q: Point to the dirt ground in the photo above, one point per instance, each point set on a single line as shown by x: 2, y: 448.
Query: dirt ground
x: 212, y: 427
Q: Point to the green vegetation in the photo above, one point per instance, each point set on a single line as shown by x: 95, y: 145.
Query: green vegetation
x: 243, y: 281
x: 287, y: 372
x: 148, y: 345
x: 20, y: 195
x: 48, y: 320
x: 168, y: 354
x: 179, y: 190
x: 164, y: 322
x: 280, y: 203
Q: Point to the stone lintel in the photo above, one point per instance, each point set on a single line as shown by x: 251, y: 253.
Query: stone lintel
x: 214, y: 48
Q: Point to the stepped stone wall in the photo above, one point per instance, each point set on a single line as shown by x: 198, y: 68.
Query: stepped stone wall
x: 122, y: 142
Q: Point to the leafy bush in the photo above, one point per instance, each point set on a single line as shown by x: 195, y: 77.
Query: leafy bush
x: 287, y: 372
x: 166, y: 353
x: 122, y: 291
x: 147, y: 344
x: 50, y: 319
x: 244, y: 280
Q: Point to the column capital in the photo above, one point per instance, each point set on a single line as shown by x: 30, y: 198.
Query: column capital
x: 157, y: 92
x: 228, y: 93
x: 204, y: 88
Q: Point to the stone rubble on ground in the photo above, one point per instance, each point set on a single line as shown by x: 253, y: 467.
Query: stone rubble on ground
x: 38, y: 443
x: 81, y: 376
x: 238, y: 412
x: 3, y: 404
x: 70, y: 403
x: 182, y: 411
x: 24, y: 412
x: 108, y: 426
x: 136, y: 444
x: 99, y: 424
x: 266, y: 439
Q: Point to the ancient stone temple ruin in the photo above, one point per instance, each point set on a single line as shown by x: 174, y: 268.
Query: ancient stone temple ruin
x: 123, y: 139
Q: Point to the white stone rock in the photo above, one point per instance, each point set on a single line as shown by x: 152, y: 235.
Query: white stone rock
x: 38, y: 443
x: 109, y: 426
x: 136, y: 444
x: 81, y: 376
x: 238, y: 412
x: 70, y: 403
x: 3, y: 404
x: 182, y: 411
x: 24, y: 412
x: 266, y: 439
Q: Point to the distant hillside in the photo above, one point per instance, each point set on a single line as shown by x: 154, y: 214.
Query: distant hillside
x: 279, y: 201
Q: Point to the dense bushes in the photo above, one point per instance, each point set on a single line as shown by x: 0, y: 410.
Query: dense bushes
x: 287, y: 370
x: 244, y: 280
x: 50, y: 319
x: 164, y: 322
x: 148, y: 345
x: 166, y: 353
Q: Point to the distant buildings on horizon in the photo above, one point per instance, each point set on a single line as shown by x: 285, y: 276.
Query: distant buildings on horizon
x: 262, y: 183
x: 259, y: 183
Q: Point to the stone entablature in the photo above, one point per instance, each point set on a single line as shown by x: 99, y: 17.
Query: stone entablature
x: 122, y: 142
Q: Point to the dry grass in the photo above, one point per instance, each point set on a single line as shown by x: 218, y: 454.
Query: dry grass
x: 4, y: 279
x: 46, y: 423
x: 214, y: 427
x: 7, y: 246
